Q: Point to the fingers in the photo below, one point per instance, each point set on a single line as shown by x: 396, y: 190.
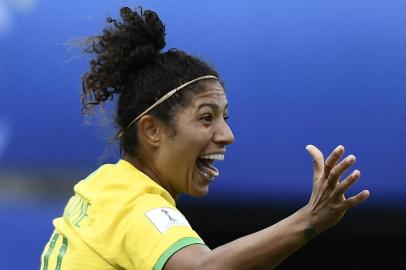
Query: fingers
x: 329, y: 169
x: 356, y: 200
x: 339, y: 169
x: 332, y: 160
x: 318, y: 161
x: 345, y: 185
x: 348, y: 182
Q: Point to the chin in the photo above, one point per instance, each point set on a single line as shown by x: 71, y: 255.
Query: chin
x: 196, y: 186
x: 199, y: 191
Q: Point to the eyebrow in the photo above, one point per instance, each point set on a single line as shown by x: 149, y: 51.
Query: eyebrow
x: 211, y: 105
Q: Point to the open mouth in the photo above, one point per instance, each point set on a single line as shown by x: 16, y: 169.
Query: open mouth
x: 205, y: 165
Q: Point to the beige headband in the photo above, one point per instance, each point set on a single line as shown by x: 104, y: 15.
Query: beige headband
x: 168, y: 95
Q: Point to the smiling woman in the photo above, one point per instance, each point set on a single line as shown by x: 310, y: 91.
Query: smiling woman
x: 172, y: 125
x: 179, y: 157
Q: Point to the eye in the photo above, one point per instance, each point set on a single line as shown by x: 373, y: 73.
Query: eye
x: 207, y: 118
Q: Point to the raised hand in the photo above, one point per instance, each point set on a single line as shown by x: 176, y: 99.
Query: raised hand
x: 328, y: 204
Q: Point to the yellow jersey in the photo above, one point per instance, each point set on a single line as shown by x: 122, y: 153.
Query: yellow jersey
x: 118, y: 218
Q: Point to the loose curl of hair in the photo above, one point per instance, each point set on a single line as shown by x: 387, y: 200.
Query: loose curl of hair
x: 129, y: 63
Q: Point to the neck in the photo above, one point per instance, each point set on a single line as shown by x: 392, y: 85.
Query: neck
x: 152, y: 173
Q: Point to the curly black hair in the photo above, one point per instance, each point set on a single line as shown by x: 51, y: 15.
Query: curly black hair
x: 129, y: 62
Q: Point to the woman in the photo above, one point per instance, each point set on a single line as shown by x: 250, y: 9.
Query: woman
x: 172, y: 125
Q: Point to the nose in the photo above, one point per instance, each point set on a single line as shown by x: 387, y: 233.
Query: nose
x: 223, y: 134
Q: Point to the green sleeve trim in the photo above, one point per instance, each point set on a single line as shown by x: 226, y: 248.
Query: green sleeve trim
x: 61, y: 253
x: 51, y: 247
x: 184, y: 242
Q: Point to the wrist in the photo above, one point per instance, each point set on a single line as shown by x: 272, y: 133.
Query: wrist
x: 310, y: 230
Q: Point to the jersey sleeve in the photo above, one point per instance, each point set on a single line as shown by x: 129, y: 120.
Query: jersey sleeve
x: 156, y: 231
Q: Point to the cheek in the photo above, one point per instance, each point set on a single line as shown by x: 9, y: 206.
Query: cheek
x: 192, y: 147
x: 182, y: 159
x: 187, y: 148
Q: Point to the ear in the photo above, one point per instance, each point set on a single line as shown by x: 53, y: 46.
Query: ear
x: 148, y: 128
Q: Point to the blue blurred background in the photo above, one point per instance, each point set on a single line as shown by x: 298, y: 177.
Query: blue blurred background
x: 296, y: 73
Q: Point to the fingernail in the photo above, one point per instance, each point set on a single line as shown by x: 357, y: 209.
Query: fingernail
x: 356, y: 173
x: 351, y: 158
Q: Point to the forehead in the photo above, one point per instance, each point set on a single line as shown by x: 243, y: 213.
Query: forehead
x: 213, y: 93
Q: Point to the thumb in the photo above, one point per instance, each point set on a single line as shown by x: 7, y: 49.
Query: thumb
x: 318, y: 161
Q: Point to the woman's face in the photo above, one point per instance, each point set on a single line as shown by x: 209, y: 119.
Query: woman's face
x: 201, y: 135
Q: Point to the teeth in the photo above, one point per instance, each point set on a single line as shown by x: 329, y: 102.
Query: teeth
x: 214, y: 156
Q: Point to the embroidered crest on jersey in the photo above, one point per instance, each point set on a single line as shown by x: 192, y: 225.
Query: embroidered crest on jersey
x: 164, y: 218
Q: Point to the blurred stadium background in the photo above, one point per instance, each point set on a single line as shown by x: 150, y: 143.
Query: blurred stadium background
x: 296, y: 72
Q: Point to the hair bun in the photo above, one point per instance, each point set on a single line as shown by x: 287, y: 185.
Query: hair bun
x: 143, y: 36
x: 124, y: 48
